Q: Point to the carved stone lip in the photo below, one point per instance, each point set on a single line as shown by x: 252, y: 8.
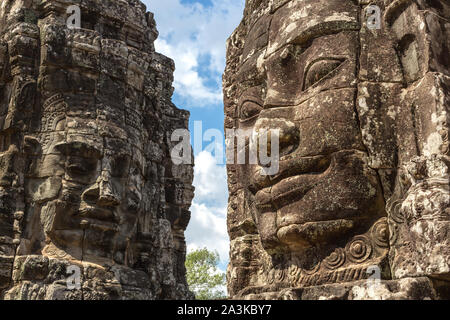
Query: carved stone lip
x: 287, y: 191
x: 289, y: 166
x: 99, y: 225
x: 312, y: 231
x: 98, y: 217
x: 297, y: 176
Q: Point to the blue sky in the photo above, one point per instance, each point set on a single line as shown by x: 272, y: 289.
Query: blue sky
x: 193, y: 33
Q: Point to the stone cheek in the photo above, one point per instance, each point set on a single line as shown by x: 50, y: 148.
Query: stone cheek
x: 363, y: 111
x: 85, y: 125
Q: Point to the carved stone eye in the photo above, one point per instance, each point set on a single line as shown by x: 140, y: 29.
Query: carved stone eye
x: 77, y: 166
x: 77, y: 169
x: 250, y: 110
x: 319, y: 70
x: 120, y: 166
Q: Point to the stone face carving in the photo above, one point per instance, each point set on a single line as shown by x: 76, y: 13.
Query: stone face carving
x: 86, y: 121
x: 363, y: 184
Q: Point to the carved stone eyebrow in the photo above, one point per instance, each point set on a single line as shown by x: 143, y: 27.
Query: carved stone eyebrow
x: 81, y: 149
x: 300, y: 35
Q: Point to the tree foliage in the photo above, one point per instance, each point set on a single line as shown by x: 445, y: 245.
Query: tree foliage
x: 203, y: 276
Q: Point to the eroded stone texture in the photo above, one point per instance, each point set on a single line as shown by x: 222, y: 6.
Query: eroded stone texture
x: 364, y: 119
x: 85, y: 135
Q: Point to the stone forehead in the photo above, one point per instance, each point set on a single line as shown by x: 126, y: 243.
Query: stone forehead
x: 317, y: 11
x: 280, y: 23
x: 101, y: 133
x: 301, y: 20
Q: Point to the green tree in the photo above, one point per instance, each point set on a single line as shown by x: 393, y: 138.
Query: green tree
x: 203, y: 276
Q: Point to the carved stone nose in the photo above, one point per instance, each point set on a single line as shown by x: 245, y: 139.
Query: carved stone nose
x: 288, y: 133
x: 102, y: 193
x: 91, y: 195
x: 108, y: 196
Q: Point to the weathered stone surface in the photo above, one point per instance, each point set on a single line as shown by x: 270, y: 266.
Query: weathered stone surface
x: 85, y: 133
x: 404, y: 289
x: 364, y: 120
x: 420, y: 220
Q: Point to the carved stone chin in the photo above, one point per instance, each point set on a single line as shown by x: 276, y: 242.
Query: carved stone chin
x: 85, y: 133
x: 363, y: 184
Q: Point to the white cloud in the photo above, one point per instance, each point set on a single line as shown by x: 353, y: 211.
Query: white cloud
x: 188, y: 82
x: 208, y: 226
x: 195, y: 37
x: 210, y: 180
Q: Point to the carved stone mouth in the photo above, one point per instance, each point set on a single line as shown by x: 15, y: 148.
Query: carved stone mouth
x: 289, y: 167
x: 98, y: 218
x: 99, y: 225
x: 290, y: 185
x: 287, y: 191
x: 307, y: 234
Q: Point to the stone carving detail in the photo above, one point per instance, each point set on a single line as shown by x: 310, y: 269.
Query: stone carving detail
x: 363, y: 115
x: 419, y: 215
x: 85, y: 124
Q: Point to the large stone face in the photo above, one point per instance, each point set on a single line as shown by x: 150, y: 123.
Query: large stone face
x: 86, y: 181
x: 363, y: 114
